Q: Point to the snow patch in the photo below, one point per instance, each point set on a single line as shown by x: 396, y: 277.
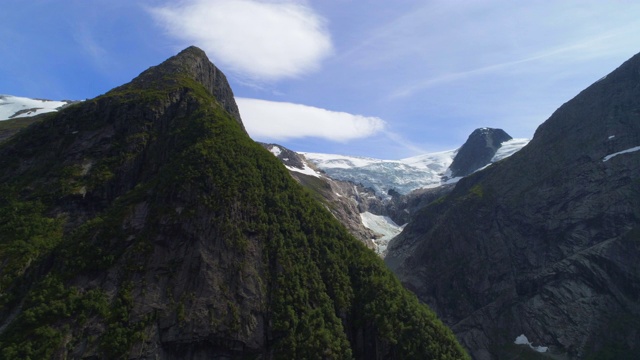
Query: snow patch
x: 12, y: 107
x: 509, y: 148
x: 305, y: 170
x: 382, y: 225
x: 522, y: 340
x: 633, y: 149
x: 454, y: 180
x: 275, y: 150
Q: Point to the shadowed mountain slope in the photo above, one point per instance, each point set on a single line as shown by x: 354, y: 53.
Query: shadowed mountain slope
x: 545, y: 243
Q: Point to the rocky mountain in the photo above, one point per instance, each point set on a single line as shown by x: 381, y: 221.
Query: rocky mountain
x: 538, y: 255
x: 358, y: 191
x: 477, y: 151
x: 146, y: 224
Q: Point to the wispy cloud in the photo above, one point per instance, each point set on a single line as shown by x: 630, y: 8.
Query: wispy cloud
x: 91, y: 47
x: 259, y: 40
x: 445, y: 41
x: 405, y: 144
x: 270, y: 120
x: 589, y: 48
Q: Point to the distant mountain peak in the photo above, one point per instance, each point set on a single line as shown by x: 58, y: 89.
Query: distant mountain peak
x: 478, y: 150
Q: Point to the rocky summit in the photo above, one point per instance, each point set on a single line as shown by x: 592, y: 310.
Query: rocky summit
x: 477, y: 151
x: 537, y: 256
x: 146, y: 224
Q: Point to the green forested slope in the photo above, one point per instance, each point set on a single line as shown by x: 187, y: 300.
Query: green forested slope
x: 145, y: 223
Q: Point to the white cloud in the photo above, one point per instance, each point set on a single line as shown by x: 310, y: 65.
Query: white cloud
x: 270, y: 120
x: 259, y: 40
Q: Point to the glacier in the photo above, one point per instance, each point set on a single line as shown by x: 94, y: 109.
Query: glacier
x: 403, y: 176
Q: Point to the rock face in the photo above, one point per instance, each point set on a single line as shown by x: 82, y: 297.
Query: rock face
x: 545, y: 243
x: 146, y: 224
x: 403, y: 208
x: 477, y: 151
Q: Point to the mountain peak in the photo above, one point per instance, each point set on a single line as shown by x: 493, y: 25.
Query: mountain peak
x: 478, y: 150
x: 193, y: 63
x: 167, y: 233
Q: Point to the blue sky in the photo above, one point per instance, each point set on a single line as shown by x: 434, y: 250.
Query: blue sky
x: 385, y: 79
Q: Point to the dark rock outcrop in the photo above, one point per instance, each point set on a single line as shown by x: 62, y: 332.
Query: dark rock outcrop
x: 477, y: 151
x: 545, y: 243
x: 146, y: 224
x: 402, y: 208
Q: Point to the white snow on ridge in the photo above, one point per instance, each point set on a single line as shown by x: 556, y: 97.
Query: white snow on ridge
x: 633, y: 149
x: 306, y: 170
x: 509, y: 148
x: 382, y: 225
x: 438, y: 161
x: 12, y: 107
x: 522, y: 340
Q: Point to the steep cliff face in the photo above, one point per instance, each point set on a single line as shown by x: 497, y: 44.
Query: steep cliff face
x: 146, y: 224
x: 545, y: 243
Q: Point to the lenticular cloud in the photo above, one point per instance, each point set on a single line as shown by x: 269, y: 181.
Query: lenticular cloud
x: 271, y: 120
x: 255, y: 39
